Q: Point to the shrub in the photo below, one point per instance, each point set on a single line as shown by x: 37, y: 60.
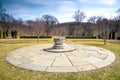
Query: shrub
x: 15, y: 34
x: 27, y: 37
x: 12, y: 34
x: 118, y: 38
x: 7, y: 33
x: 0, y: 34
x: 81, y: 37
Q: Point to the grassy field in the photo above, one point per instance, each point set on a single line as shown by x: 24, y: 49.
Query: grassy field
x: 9, y: 72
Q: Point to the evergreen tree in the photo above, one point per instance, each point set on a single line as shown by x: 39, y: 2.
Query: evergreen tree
x: 12, y: 34
x: 15, y: 34
x: 7, y: 33
x: 0, y: 34
x: 4, y: 34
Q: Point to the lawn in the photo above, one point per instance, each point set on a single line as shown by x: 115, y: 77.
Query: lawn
x: 10, y: 72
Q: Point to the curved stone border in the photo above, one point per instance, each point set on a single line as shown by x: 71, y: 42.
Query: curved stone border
x: 67, y: 49
x: 83, y: 59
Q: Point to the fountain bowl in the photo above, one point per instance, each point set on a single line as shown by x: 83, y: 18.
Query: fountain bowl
x: 60, y: 46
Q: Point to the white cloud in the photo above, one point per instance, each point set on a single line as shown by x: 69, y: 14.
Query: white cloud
x: 64, y: 18
x: 104, y: 12
x: 65, y: 11
x: 110, y: 2
x: 105, y: 2
x: 67, y: 7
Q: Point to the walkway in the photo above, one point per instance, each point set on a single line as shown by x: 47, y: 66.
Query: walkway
x: 83, y: 59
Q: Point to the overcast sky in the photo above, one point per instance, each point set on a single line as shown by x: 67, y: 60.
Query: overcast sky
x: 63, y: 10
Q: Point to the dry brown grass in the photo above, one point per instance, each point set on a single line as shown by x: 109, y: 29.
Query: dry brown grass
x: 10, y: 72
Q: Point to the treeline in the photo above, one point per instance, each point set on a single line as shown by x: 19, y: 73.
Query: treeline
x: 48, y: 25
x: 103, y: 27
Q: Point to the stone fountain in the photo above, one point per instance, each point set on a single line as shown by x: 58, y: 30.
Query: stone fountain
x: 59, y: 43
x: 60, y: 46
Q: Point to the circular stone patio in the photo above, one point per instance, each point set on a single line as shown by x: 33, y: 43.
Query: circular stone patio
x: 82, y: 59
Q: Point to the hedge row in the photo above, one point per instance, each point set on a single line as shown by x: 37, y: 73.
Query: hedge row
x: 27, y: 37
x: 81, y: 37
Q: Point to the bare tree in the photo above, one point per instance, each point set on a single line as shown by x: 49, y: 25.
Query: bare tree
x: 4, y: 17
x: 92, y: 19
x: 2, y: 11
x: 118, y: 11
x: 7, y: 19
x: 79, y: 16
x: 71, y: 29
x: 49, y: 22
x: 103, y: 28
x: 39, y: 26
x: 93, y: 27
x: 116, y: 26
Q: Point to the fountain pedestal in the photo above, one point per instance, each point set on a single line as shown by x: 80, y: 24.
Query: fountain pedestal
x: 60, y: 46
x: 59, y: 43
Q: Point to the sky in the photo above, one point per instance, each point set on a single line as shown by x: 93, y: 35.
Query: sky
x: 63, y: 10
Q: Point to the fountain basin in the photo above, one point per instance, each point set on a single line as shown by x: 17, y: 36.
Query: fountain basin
x: 60, y: 46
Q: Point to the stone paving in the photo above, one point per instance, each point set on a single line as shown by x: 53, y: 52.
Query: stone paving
x: 84, y: 58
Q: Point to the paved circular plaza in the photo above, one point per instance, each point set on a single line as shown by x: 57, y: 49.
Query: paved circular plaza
x: 82, y: 59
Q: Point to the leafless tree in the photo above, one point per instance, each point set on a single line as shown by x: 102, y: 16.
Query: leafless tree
x: 93, y: 26
x: 79, y: 16
x: 115, y: 25
x: 49, y: 22
x: 92, y: 19
x: 71, y: 29
x: 118, y: 11
x: 116, y: 28
x: 2, y: 11
x: 104, y: 29
x: 39, y: 27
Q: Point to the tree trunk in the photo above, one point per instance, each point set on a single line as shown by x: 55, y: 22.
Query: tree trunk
x: 110, y: 35
x: 47, y: 33
x: 97, y: 37
x: 104, y: 40
x: 115, y: 35
x: 38, y: 38
x: 9, y: 35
